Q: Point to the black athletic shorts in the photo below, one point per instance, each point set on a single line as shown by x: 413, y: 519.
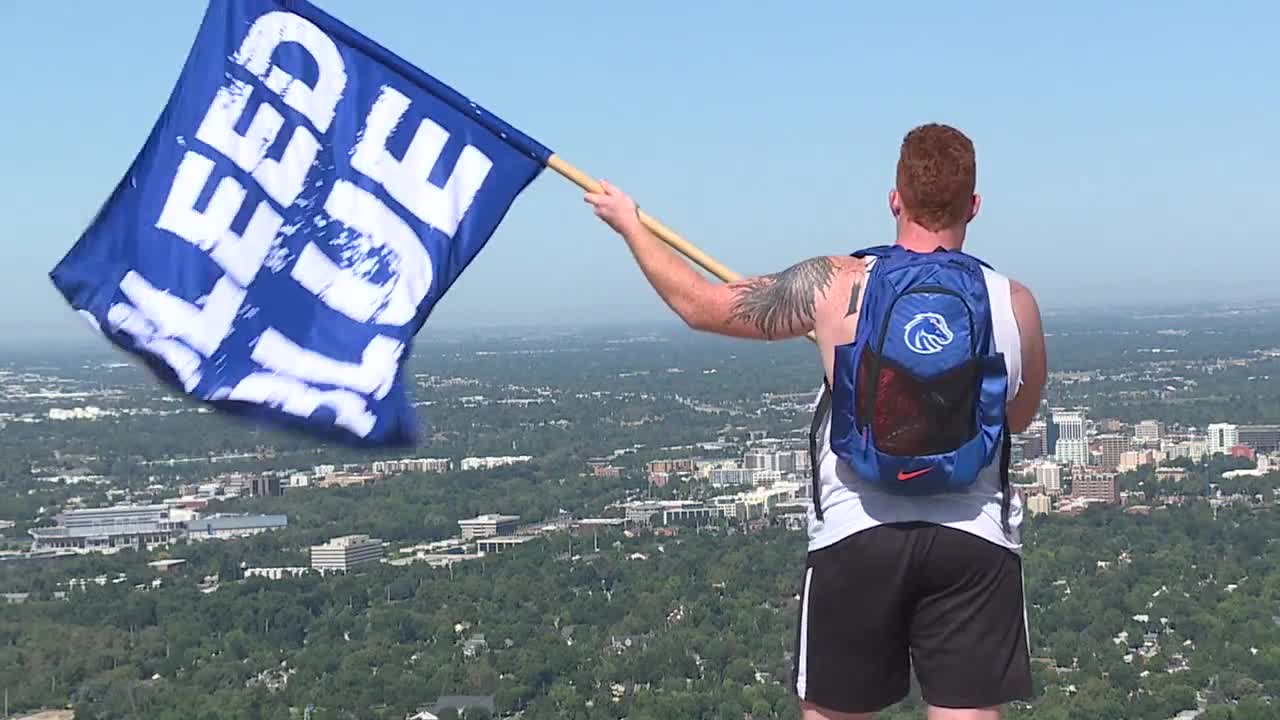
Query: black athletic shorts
x: 912, y: 594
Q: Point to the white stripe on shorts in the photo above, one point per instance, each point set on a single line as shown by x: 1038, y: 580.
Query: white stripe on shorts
x: 803, y: 650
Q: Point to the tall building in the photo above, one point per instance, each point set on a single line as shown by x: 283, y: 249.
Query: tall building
x: 1262, y: 438
x: 1049, y: 477
x: 490, y: 525
x: 1223, y: 437
x: 346, y: 552
x: 800, y: 461
x: 1072, y: 447
x: 1017, y: 450
x: 1112, y: 446
x: 784, y: 461
x: 1194, y: 449
x: 1039, y: 504
x: 1050, y: 428
x: 265, y: 486
x: 731, y: 476
x: 1034, y: 444
x: 1147, y: 431
x: 1100, y: 486
x: 759, y: 460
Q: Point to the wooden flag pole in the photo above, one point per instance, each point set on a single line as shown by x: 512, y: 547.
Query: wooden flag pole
x: 664, y: 233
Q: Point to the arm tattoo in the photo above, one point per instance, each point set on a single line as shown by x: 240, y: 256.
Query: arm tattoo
x: 784, y: 301
x: 853, y: 298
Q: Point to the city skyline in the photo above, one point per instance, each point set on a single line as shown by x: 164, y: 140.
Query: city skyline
x: 648, y: 496
x: 1105, y: 138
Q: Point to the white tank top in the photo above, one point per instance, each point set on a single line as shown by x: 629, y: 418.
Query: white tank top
x: 850, y: 506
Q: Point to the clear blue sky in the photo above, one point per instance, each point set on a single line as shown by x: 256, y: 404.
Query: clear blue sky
x: 1127, y: 152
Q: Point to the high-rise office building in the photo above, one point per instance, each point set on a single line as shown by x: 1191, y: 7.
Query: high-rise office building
x: 1050, y: 429
x: 759, y: 460
x: 1034, y: 437
x: 1223, y: 437
x: 1039, y: 504
x: 1100, y: 486
x: 1049, y: 477
x: 1112, y: 447
x: 1072, y: 447
x: 265, y: 486
x: 1147, y: 431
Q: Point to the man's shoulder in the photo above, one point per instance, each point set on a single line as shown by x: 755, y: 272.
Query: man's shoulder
x: 1016, y: 288
x: 1023, y: 299
x: 848, y: 263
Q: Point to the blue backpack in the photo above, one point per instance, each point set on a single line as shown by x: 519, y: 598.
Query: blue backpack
x: 918, y: 398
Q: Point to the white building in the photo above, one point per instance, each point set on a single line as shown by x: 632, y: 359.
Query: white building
x: 1147, y: 431
x: 766, y: 478
x: 276, y: 573
x: 1039, y: 504
x: 346, y: 552
x: 489, y: 463
x: 1073, y: 445
x: 1223, y: 437
x: 1194, y: 450
x: 489, y: 525
x: 731, y: 476
x: 1049, y: 477
x: 108, y: 529
x: 91, y: 412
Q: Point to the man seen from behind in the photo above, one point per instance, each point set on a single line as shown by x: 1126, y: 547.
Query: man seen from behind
x: 931, y: 360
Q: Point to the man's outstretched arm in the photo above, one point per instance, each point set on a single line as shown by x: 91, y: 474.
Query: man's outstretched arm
x: 769, y: 307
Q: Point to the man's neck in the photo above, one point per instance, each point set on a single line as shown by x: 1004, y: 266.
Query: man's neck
x: 917, y: 239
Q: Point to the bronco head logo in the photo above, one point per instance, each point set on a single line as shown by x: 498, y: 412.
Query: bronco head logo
x: 927, y: 333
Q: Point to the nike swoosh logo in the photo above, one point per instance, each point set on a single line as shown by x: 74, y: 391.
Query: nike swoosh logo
x: 905, y: 476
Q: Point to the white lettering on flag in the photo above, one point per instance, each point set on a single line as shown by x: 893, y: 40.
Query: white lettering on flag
x: 185, y: 363
x: 241, y: 256
x: 272, y: 30
x: 406, y: 180
x: 283, y: 178
x: 298, y: 398
x: 392, y: 303
x: 273, y: 242
x: 201, y: 328
x: 374, y: 373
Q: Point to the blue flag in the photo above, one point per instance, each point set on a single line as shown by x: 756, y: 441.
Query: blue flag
x: 303, y: 202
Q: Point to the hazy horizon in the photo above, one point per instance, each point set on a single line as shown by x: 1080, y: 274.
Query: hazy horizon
x: 1114, y: 163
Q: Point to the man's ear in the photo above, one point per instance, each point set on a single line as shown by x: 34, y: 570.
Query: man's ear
x: 974, y: 207
x: 895, y: 203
